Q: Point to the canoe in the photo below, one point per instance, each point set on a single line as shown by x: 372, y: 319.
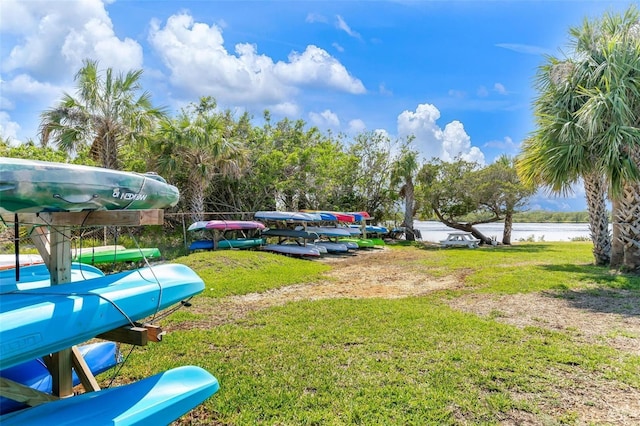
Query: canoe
x: 292, y: 250
x: 155, y: 400
x: 321, y: 249
x: 287, y: 216
x: 236, y: 243
x: 116, y: 256
x: 333, y: 247
x: 41, y: 321
x: 100, y: 357
x: 36, y: 276
x: 8, y: 261
x: 30, y: 186
x: 290, y: 233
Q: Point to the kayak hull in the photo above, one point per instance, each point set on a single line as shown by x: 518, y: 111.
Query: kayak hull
x: 37, y: 322
x: 155, y: 400
x: 29, y: 186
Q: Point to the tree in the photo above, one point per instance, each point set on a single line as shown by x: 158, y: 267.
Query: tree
x: 587, y: 116
x: 194, y: 149
x: 106, y: 114
x: 370, y: 165
x: 403, y: 174
x: 500, y: 190
x: 461, y: 194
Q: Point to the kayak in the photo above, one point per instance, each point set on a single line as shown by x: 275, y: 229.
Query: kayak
x: 8, y: 261
x: 236, y: 243
x: 36, y: 276
x: 290, y: 233
x: 292, y: 250
x: 155, y: 400
x: 30, y: 186
x: 100, y: 357
x: 117, y: 255
x: 225, y: 225
x: 287, y: 216
x: 37, y: 322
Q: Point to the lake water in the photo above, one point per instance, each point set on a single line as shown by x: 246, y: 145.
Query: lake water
x: 436, y: 231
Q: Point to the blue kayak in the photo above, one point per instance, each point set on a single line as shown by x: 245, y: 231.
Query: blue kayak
x: 37, y: 322
x: 99, y: 357
x: 36, y: 276
x: 156, y: 400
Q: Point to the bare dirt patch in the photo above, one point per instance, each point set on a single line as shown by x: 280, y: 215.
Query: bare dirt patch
x: 602, y: 317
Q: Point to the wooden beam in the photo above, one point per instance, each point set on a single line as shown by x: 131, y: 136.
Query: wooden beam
x: 83, y: 371
x: 91, y: 218
x: 131, y: 335
x: 23, y: 394
x: 40, y: 238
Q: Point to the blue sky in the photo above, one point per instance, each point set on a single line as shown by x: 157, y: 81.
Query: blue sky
x: 458, y: 75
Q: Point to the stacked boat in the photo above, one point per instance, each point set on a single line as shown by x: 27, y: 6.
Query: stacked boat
x: 38, y: 319
x: 311, y: 233
x: 226, y: 234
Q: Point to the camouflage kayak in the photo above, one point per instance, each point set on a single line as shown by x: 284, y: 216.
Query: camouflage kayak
x: 29, y: 186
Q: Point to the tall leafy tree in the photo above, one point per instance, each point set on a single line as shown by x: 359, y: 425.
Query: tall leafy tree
x: 500, y: 190
x: 108, y: 111
x: 194, y: 150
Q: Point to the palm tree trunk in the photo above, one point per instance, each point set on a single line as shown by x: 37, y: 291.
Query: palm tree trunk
x: 629, y: 220
x: 617, y: 247
x: 196, y: 198
x: 594, y: 187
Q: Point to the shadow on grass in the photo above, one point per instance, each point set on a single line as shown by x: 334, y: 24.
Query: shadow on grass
x: 614, y: 293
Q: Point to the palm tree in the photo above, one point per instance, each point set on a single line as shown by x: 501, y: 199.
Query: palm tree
x: 611, y: 119
x: 106, y: 113
x: 588, y: 127
x: 196, y: 148
x: 403, y: 173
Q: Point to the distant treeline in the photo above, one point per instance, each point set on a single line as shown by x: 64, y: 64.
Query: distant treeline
x: 540, y: 216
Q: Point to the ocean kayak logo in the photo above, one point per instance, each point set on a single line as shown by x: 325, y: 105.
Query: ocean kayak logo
x: 128, y: 196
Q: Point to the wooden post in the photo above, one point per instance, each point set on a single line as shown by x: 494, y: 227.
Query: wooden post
x: 60, y: 270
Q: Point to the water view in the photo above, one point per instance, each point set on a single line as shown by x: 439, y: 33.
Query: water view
x: 436, y: 231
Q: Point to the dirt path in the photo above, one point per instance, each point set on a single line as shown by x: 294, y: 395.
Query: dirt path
x: 609, y: 317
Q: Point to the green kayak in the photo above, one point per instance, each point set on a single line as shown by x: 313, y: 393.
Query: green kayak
x: 116, y: 256
x: 29, y: 186
x: 361, y: 242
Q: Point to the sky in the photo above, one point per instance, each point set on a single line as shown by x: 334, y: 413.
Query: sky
x: 456, y: 75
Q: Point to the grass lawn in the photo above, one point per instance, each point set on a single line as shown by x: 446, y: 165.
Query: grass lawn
x: 411, y: 360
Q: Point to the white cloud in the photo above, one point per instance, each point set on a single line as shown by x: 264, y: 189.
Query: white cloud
x: 482, y: 92
x: 356, y: 126
x: 432, y: 141
x: 325, y: 119
x: 458, y: 94
x: 499, y: 87
x: 8, y: 129
x: 57, y: 36
x: 24, y: 85
x: 337, y: 47
x: 285, y: 109
x: 199, y: 64
x: 342, y: 25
